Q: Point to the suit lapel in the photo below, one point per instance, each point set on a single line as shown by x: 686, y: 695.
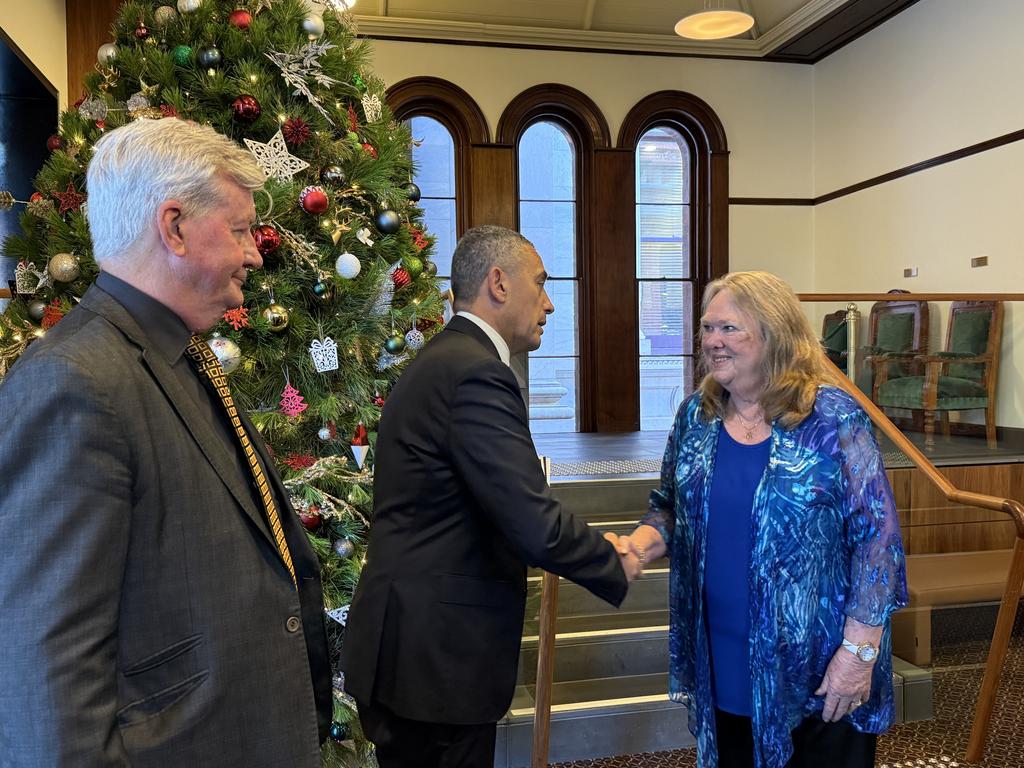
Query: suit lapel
x: 467, y: 327
x: 201, y: 431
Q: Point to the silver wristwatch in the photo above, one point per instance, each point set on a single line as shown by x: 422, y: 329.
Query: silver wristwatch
x: 866, y: 652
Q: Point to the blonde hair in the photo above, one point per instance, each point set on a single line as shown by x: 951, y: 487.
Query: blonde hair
x: 793, y: 365
x: 138, y: 166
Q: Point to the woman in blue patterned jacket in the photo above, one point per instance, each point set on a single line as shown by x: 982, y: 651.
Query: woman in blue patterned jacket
x: 784, y: 545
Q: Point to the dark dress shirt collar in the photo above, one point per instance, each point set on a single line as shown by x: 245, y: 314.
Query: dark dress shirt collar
x: 168, y: 335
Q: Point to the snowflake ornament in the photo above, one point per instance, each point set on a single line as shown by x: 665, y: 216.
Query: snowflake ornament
x: 238, y: 318
x: 324, y: 354
x: 292, y: 403
x: 275, y: 159
x: 372, y: 108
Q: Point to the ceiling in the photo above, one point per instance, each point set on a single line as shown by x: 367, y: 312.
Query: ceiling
x: 784, y: 30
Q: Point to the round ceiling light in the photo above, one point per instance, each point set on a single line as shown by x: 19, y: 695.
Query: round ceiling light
x: 714, y: 24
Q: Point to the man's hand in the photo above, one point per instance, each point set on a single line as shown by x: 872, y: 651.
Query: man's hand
x: 846, y: 685
x: 631, y: 564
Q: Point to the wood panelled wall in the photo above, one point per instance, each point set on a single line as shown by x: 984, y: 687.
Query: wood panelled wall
x: 88, y: 24
x: 933, y: 525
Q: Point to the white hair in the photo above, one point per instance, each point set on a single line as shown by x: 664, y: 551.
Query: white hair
x: 138, y: 166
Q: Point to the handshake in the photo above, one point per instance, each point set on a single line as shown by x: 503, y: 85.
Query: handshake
x: 632, y: 555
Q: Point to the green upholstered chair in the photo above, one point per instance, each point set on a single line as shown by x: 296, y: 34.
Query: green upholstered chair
x: 833, y: 338
x: 897, y: 333
x: 962, y: 378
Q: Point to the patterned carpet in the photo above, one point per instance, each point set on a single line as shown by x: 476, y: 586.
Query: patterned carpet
x: 959, y: 657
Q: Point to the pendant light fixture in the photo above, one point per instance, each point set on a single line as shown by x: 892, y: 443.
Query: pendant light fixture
x: 715, y: 22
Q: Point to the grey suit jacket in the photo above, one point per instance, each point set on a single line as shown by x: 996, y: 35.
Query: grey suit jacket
x: 146, y: 617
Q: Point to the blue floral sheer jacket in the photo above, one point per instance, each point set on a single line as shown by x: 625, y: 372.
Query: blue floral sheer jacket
x: 825, y: 545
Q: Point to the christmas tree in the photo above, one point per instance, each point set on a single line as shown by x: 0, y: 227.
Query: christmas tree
x: 347, y: 291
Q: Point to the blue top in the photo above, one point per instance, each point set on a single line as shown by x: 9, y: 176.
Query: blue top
x: 738, y: 471
x: 826, y: 545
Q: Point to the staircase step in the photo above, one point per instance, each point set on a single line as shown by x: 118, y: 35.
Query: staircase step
x: 588, y: 497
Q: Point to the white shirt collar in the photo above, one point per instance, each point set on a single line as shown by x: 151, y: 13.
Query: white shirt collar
x: 493, y: 335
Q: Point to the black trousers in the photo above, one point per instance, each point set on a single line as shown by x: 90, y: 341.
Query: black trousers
x: 404, y: 743
x: 816, y: 744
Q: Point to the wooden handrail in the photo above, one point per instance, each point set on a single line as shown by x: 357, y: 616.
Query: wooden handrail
x: 5, y: 293
x: 910, y: 296
x: 1014, y: 579
x: 1007, y: 506
x: 545, y: 659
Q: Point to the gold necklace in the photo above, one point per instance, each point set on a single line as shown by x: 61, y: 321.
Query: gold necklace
x: 748, y: 429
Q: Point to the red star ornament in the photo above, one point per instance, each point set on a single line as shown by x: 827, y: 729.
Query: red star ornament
x: 70, y: 199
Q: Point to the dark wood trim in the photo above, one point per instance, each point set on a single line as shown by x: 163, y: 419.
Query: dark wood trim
x: 43, y: 80
x: 833, y: 297
x: 616, y: 329
x: 88, y: 27
x: 492, y: 183
x: 924, y: 165
x: 460, y: 114
x: 437, y: 97
x: 560, y: 48
x: 771, y: 201
x: 842, y: 26
x: 557, y: 101
x: 577, y: 113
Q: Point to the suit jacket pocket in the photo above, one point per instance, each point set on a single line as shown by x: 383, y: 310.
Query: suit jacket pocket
x: 468, y: 590
x: 157, y: 703
x: 162, y: 656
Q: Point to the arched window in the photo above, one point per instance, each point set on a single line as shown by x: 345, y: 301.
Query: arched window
x: 447, y: 122
x: 433, y: 156
x: 681, y: 159
x: 547, y: 217
x: 665, y: 276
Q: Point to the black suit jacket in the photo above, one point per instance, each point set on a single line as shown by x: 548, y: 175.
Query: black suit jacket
x: 461, y: 507
x: 146, y: 617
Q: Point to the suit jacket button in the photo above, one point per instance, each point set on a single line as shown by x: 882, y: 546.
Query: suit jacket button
x: 293, y: 624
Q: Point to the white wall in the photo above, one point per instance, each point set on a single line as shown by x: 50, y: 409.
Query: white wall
x: 39, y: 29
x: 938, y: 77
x: 766, y: 110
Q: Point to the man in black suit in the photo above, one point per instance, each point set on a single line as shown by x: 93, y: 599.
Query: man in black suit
x: 461, y: 507
x: 159, y: 603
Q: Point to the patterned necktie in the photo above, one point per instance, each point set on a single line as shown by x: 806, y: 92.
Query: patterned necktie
x: 212, y: 374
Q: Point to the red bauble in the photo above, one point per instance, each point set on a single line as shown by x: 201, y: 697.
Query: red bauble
x: 141, y: 31
x: 369, y: 148
x: 401, y: 277
x: 246, y: 107
x: 360, y: 437
x: 240, y: 18
x: 54, y: 143
x: 313, y: 200
x: 267, y: 239
x: 311, y: 520
x: 36, y: 197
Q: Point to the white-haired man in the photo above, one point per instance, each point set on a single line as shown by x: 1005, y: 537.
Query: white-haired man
x: 160, y: 606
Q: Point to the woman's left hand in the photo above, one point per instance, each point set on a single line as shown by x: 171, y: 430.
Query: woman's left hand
x: 846, y: 685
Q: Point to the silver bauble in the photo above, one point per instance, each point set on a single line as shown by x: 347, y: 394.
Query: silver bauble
x: 63, y: 267
x: 189, y: 6
x: 414, y: 339
x: 106, y: 54
x: 227, y: 352
x: 164, y: 15
x: 324, y: 433
x: 344, y: 548
x: 347, y: 266
x: 313, y: 25
x: 36, y: 309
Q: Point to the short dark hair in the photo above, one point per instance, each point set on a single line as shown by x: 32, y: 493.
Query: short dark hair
x: 480, y: 249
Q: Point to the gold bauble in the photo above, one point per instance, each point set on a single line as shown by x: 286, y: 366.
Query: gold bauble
x: 63, y: 267
x: 276, y: 317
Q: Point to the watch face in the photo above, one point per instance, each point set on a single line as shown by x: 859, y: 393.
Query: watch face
x: 866, y: 653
